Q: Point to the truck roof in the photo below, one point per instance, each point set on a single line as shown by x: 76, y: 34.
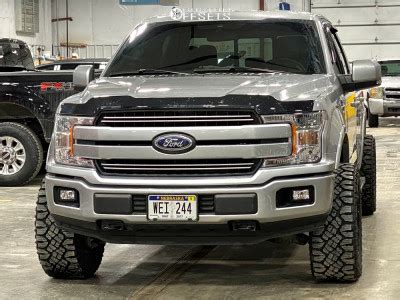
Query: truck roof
x: 9, y: 40
x: 244, y: 15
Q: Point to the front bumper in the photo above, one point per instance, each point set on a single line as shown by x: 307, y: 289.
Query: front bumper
x: 384, y: 107
x: 210, y: 228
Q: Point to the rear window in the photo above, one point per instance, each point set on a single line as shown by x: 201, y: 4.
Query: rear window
x: 15, y: 55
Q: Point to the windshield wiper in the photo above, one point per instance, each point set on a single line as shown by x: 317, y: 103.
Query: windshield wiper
x: 212, y: 69
x: 146, y: 72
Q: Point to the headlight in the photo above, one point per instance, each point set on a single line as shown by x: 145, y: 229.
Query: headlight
x: 64, y: 141
x: 306, y: 137
x: 376, y: 92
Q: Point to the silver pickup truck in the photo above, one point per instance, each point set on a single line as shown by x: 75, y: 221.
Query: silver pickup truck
x: 211, y: 132
x: 384, y: 101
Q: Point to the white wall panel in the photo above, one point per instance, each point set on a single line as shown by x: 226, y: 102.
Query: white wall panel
x: 242, y: 5
x: 7, y: 23
x: 371, y: 30
x: 97, y: 22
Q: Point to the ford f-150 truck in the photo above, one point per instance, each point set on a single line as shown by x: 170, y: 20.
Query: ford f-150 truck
x: 384, y: 101
x: 179, y: 143
x: 28, y: 101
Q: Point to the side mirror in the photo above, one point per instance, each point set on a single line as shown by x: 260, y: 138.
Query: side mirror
x: 365, y: 74
x: 82, y: 76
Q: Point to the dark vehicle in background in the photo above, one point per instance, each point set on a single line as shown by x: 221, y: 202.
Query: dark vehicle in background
x: 15, y: 56
x: 384, y: 101
x: 99, y: 64
x: 28, y: 101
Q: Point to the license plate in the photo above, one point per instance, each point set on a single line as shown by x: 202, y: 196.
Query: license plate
x: 172, y: 207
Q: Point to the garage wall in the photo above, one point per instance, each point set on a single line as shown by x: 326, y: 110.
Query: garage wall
x: 367, y: 28
x: 295, y: 5
x: 7, y: 23
x: 97, y: 22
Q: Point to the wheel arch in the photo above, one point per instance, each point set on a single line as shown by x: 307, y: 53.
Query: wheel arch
x: 343, y: 151
x: 15, y: 112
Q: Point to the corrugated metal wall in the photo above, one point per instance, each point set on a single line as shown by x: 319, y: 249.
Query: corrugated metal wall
x: 367, y: 28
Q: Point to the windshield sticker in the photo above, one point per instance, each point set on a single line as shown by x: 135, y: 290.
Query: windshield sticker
x: 209, y: 14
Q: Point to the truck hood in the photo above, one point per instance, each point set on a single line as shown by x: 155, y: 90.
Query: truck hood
x: 391, y: 82
x: 282, y: 87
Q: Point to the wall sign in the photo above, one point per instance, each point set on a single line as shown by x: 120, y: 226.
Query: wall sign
x: 284, y: 6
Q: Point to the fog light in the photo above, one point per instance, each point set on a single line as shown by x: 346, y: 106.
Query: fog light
x: 295, y: 196
x: 66, y: 196
x: 301, y: 195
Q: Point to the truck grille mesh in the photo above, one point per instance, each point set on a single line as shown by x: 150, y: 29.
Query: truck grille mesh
x: 392, y: 93
x: 177, y: 167
x: 177, y: 118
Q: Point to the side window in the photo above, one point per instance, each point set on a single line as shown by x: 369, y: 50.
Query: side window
x: 341, y: 53
x: 338, y: 58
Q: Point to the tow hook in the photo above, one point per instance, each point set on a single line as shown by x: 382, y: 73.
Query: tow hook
x: 245, y: 226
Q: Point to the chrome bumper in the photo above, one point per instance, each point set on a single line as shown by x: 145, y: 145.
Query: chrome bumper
x: 384, y: 107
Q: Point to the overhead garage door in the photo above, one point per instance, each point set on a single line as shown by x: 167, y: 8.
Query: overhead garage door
x: 367, y: 28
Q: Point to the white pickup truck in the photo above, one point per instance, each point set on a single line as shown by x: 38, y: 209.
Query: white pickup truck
x: 384, y: 101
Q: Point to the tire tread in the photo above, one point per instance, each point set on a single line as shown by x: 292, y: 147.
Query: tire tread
x: 335, y: 249
x: 62, y: 254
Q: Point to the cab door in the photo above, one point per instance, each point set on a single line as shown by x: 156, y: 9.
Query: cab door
x: 352, y: 102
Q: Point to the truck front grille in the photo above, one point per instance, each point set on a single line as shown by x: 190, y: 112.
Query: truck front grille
x: 392, y: 93
x: 177, y: 167
x: 227, y: 143
x: 177, y: 118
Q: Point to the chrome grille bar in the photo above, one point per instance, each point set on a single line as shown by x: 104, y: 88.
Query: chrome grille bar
x: 175, y: 118
x: 178, y: 169
x: 175, y: 167
x: 215, y: 133
x: 200, y: 152
x: 173, y: 121
x: 105, y: 165
x: 392, y: 93
x: 178, y: 117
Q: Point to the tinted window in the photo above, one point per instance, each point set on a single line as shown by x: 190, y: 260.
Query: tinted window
x: 15, y: 55
x: 44, y: 67
x: 290, y: 46
x: 390, y: 68
x: 69, y: 66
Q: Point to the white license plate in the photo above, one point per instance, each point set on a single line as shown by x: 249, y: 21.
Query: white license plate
x: 172, y: 208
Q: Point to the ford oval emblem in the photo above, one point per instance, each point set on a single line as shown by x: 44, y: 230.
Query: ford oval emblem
x: 174, y: 143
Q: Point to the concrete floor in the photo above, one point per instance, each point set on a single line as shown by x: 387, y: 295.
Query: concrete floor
x: 262, y: 271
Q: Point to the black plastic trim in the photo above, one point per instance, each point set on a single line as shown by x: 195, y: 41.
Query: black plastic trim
x: 262, y: 105
x: 235, y: 204
x: 119, y: 204
x: 190, y: 233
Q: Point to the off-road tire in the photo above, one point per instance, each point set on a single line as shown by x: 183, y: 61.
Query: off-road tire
x: 62, y: 254
x: 336, y: 249
x: 373, y: 120
x: 368, y: 171
x: 34, y: 154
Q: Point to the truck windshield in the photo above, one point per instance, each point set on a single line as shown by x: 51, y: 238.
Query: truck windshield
x: 14, y: 55
x: 242, y: 46
x: 390, y: 68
